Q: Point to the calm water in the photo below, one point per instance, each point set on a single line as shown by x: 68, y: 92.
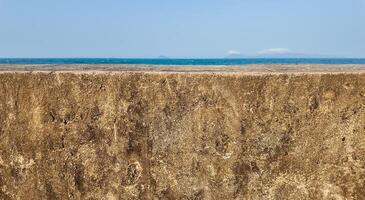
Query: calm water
x: 178, y: 61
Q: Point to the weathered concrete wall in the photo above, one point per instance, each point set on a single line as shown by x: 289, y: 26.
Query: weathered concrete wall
x: 140, y: 135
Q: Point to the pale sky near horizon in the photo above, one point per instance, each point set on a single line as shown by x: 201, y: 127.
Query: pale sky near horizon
x: 189, y: 28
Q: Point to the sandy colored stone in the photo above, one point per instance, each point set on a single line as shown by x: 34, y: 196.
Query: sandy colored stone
x: 264, y: 132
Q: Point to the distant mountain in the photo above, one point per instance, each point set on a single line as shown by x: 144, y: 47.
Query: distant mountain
x: 292, y: 55
x: 280, y: 55
x: 236, y: 56
x: 163, y: 57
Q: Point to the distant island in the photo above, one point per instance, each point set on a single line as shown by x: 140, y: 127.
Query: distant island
x: 286, y: 55
x: 275, y: 53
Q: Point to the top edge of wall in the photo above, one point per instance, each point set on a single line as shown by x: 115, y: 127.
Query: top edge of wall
x: 245, y: 69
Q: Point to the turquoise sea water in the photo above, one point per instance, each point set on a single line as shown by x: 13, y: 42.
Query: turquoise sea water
x: 181, y: 61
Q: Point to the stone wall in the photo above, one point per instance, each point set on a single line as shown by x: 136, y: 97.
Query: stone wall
x: 141, y: 135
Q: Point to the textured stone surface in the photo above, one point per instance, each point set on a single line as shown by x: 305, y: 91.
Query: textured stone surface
x: 182, y: 135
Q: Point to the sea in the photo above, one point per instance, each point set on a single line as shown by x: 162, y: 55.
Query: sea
x: 165, y: 61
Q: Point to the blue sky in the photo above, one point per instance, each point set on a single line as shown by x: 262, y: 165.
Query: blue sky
x: 188, y: 28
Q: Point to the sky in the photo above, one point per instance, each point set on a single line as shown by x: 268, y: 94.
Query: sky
x: 181, y: 29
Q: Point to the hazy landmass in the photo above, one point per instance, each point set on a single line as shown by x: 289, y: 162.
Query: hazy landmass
x: 281, y: 55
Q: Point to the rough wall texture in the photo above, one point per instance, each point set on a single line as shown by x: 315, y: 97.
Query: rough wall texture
x: 186, y: 136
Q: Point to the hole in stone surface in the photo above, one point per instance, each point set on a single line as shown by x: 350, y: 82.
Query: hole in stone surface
x: 134, y: 171
x: 313, y: 103
x: 53, y: 118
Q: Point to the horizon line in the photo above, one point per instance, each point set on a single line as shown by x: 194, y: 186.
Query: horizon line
x: 190, y: 58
